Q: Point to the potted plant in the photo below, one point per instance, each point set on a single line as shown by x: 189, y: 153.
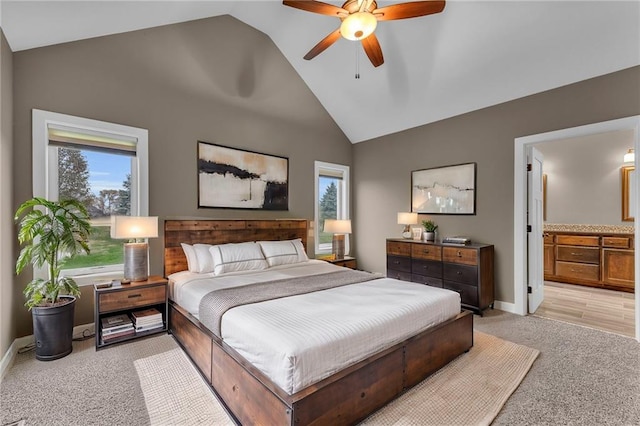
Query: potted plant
x: 50, y: 232
x: 429, y: 230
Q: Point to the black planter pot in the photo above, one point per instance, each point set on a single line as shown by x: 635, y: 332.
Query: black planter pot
x: 53, y: 329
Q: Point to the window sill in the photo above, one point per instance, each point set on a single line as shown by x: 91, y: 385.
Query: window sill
x: 91, y: 279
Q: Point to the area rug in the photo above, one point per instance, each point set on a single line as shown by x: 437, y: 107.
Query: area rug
x: 471, y: 390
x: 175, y: 393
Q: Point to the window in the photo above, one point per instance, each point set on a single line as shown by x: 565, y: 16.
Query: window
x: 331, y: 201
x: 105, y: 167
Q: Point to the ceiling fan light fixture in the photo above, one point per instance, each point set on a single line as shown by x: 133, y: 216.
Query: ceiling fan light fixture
x: 358, y: 26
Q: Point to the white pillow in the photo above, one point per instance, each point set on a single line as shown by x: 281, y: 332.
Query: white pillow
x: 192, y: 260
x: 237, y: 257
x: 283, y: 252
x: 205, y: 261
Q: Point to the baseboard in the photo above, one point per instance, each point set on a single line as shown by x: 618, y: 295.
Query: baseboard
x: 10, y: 355
x: 505, y: 306
x: 8, y: 358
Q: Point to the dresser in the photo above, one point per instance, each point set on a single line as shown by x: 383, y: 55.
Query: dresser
x: 467, y: 269
x: 595, y: 259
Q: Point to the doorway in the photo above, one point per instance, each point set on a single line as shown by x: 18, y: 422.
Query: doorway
x: 520, y: 202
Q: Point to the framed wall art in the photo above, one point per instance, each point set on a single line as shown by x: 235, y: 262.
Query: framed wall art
x: 240, y: 179
x: 444, y: 190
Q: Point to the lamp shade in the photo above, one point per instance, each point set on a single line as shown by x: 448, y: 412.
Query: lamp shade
x: 129, y: 227
x: 405, y: 218
x: 337, y: 226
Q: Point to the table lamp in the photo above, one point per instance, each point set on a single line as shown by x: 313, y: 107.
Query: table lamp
x: 339, y: 227
x: 136, y: 254
x: 407, y: 219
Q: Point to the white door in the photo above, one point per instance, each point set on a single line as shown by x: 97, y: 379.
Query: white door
x: 534, y: 235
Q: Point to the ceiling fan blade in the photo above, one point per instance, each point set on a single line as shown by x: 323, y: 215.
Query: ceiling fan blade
x: 409, y: 10
x: 322, y: 46
x: 317, y: 7
x: 372, y: 49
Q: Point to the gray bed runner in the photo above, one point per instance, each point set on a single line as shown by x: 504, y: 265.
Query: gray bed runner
x: 215, y: 303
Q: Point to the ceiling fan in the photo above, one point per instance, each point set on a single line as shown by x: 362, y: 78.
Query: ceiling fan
x: 359, y: 20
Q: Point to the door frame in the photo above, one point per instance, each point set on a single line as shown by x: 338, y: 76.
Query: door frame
x: 520, y: 202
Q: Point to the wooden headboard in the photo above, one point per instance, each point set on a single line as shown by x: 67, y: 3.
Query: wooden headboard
x: 224, y: 231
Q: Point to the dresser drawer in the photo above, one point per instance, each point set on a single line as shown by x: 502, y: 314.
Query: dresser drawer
x: 460, y: 255
x: 397, y: 248
x: 127, y: 299
x: 426, y: 251
x: 461, y: 274
x: 578, y: 240
x: 578, y: 254
x: 581, y: 271
x: 468, y: 294
x: 398, y: 263
x: 422, y: 279
x: 616, y: 242
x: 429, y: 268
x: 399, y: 275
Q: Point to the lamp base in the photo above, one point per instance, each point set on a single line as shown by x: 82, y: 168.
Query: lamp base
x: 136, y: 265
x: 406, y: 233
x: 337, y: 246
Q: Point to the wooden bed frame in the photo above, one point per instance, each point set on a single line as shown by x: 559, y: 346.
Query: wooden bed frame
x: 346, y: 397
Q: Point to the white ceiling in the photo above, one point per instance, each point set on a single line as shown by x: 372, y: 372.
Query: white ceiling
x: 473, y: 55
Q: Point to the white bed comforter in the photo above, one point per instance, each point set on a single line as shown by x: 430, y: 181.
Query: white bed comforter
x: 299, y: 340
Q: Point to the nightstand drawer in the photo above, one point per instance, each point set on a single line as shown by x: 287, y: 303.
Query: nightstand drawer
x: 126, y: 299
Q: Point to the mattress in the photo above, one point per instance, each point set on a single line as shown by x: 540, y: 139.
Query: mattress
x: 299, y: 340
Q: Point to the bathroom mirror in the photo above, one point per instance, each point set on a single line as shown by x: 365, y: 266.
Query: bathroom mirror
x: 627, y: 174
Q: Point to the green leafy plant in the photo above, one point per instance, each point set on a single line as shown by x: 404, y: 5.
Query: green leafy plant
x: 51, y: 231
x: 429, y: 225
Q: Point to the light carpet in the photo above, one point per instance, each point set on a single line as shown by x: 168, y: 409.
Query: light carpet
x: 471, y: 390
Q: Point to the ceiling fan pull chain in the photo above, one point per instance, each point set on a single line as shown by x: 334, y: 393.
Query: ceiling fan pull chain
x: 357, y: 61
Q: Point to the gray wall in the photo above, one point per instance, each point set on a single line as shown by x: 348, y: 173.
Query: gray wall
x: 216, y: 80
x: 382, y: 167
x: 8, y: 290
x: 583, y: 178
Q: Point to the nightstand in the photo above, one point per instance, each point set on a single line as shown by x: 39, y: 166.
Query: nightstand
x: 124, y: 299
x: 347, y: 262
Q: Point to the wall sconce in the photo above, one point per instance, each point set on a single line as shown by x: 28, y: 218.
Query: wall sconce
x: 339, y: 227
x: 407, y: 219
x: 136, y: 254
x: 630, y: 156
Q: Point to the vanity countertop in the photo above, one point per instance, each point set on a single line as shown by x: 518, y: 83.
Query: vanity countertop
x: 596, y: 229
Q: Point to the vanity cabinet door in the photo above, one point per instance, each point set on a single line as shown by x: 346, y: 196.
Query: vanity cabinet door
x: 618, y: 267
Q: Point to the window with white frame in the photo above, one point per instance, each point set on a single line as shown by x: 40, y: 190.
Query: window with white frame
x: 102, y: 165
x: 331, y: 201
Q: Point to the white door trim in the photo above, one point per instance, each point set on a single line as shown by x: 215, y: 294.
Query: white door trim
x: 520, y: 201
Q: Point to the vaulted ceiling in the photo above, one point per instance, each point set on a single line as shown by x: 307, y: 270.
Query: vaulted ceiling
x: 472, y: 55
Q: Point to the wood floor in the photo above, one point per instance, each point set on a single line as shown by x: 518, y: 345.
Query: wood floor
x: 607, y: 310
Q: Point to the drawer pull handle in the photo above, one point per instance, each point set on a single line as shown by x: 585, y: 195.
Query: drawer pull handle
x: 426, y: 251
x: 576, y: 254
x: 131, y: 296
x: 396, y: 262
x: 459, y: 254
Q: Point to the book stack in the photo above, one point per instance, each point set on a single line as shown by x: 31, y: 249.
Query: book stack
x: 147, y: 320
x: 115, y: 327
